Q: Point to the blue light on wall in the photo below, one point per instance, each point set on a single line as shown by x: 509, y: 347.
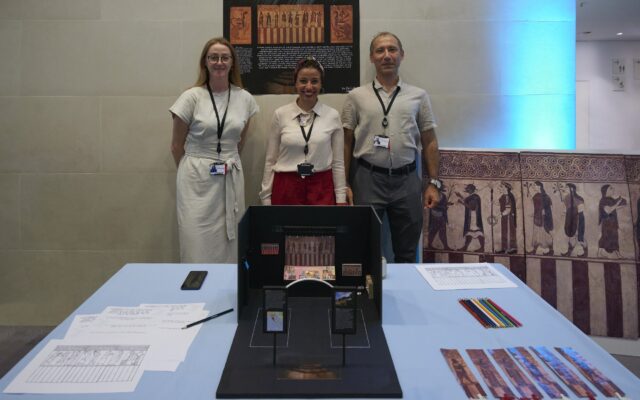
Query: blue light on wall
x: 536, y: 61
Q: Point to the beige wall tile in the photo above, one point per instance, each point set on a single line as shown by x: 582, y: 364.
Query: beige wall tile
x: 50, y: 9
x: 61, y: 58
x: 474, y: 56
x: 10, y: 48
x: 49, y: 134
x: 99, y: 211
x: 489, y: 9
x: 379, y: 9
x: 458, y: 115
x: 136, y: 134
x: 138, y: 58
x: 9, y: 211
x: 464, y: 10
x: 194, y: 36
x: 46, y: 286
x: 101, y: 58
x: 160, y: 9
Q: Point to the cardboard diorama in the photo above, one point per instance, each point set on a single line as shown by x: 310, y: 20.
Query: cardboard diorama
x: 309, y: 306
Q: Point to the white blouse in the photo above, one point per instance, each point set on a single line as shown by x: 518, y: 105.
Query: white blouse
x: 285, y: 146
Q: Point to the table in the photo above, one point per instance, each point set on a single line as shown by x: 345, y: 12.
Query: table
x: 418, y: 321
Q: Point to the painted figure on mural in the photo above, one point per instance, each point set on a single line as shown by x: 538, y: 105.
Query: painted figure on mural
x: 507, y: 202
x: 438, y: 221
x: 473, y: 228
x: 542, y: 221
x: 608, y: 220
x: 574, y: 222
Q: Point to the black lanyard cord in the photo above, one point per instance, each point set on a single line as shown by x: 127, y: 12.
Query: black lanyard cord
x: 385, y: 110
x: 219, y: 123
x: 307, y: 135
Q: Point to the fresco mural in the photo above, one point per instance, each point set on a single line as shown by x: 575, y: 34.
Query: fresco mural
x: 565, y: 224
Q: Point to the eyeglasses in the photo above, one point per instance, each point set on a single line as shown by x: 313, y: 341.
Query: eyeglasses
x: 213, y: 58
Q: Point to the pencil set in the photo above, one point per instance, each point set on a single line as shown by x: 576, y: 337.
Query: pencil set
x: 489, y: 314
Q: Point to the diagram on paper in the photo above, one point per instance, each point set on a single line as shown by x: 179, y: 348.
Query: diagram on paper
x: 464, y: 276
x: 82, y: 368
x: 90, y: 364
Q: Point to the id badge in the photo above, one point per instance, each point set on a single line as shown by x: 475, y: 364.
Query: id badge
x: 381, y: 141
x: 305, y: 169
x: 218, y: 168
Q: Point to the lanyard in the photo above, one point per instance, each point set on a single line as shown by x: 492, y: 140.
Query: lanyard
x: 385, y: 110
x: 307, y: 135
x: 224, y: 117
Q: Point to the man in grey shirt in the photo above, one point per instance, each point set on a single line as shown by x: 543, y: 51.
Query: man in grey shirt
x: 386, y: 124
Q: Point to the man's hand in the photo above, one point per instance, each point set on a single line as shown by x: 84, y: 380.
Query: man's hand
x: 431, y: 197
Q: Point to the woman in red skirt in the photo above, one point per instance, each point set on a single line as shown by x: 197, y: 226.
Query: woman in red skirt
x: 305, y: 150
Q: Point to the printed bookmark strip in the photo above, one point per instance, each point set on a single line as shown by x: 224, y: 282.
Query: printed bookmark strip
x: 593, y: 375
x: 518, y: 379
x: 490, y: 374
x: 538, y: 373
x: 566, y: 375
x: 489, y: 314
x: 463, y: 374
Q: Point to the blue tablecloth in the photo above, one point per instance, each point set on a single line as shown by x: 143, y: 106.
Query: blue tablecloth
x: 418, y: 321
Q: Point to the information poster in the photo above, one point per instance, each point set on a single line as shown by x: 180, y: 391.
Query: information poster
x: 270, y: 36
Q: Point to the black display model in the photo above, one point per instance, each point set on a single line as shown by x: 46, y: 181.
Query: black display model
x: 309, y: 355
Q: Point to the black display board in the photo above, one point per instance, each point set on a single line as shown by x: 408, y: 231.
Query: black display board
x: 270, y: 36
x: 309, y: 356
x: 261, y: 246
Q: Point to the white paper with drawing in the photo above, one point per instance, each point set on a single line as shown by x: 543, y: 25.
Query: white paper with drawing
x: 463, y: 276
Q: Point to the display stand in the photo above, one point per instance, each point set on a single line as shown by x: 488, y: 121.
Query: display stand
x: 296, y: 344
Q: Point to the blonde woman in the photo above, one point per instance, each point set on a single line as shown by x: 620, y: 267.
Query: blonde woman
x: 210, y: 122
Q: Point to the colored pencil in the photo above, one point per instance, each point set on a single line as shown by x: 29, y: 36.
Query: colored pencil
x: 518, y: 324
x: 505, y: 320
x: 476, y: 316
x: 488, y: 313
x: 480, y: 314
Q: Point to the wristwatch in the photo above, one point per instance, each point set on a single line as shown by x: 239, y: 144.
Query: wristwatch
x: 436, y: 182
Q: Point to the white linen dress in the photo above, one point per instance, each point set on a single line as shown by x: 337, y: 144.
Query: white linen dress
x: 209, y: 207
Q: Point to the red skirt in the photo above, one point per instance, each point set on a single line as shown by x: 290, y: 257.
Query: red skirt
x: 289, y: 188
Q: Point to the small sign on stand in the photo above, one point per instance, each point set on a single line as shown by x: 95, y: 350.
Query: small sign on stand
x: 275, y: 315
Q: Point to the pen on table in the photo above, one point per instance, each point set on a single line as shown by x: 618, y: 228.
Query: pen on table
x: 210, y: 317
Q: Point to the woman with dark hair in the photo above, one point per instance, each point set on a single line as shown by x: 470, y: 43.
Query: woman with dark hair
x: 608, y: 220
x: 305, y: 150
x: 210, y: 122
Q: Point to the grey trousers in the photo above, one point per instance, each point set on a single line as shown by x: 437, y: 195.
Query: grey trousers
x: 400, y: 197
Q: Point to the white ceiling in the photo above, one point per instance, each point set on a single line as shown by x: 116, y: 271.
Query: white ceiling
x: 605, y: 18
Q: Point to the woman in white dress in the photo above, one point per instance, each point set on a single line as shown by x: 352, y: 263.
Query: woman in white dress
x: 210, y: 122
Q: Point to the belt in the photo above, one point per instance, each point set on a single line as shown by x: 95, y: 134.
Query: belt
x: 404, y: 170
